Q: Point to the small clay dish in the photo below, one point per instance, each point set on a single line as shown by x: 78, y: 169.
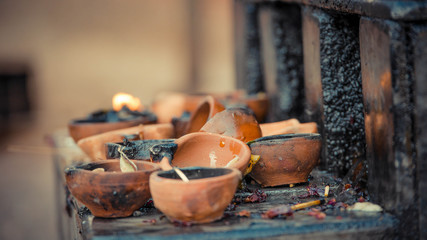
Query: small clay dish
x: 92, y: 125
x: 210, y: 150
x: 201, y: 200
x: 285, y: 159
x: 205, y: 111
x: 112, y: 193
x: 239, y: 123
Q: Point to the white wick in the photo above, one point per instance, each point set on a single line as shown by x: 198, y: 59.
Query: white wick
x: 213, y: 158
x: 232, y: 161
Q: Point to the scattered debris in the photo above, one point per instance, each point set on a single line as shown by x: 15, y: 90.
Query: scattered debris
x: 307, y: 204
x: 312, y: 191
x: 178, y: 223
x: 231, y: 207
x: 327, y: 191
x: 317, y: 213
x: 365, y: 207
x: 256, y: 197
x: 244, y: 213
x: 149, y: 204
x: 282, y: 210
x: 254, y: 159
x: 150, y: 221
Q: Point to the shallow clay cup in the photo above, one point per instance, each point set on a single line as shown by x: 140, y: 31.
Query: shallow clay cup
x: 285, y: 159
x: 201, y: 200
x: 195, y: 149
x: 110, y: 194
x: 239, y: 123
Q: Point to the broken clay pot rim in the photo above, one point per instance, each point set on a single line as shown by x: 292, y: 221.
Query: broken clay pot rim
x: 88, y: 168
x: 229, y: 173
x: 287, y: 137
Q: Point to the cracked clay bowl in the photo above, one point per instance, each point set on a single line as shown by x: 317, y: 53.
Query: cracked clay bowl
x: 112, y: 193
x: 201, y: 200
x: 285, y: 159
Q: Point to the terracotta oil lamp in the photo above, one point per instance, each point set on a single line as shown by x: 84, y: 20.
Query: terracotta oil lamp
x: 287, y: 127
x: 122, y: 116
x: 202, y: 199
x: 258, y: 103
x: 171, y: 105
x: 110, y: 193
x: 203, y: 149
x: 94, y: 146
x: 239, y: 123
x: 205, y: 111
x: 285, y: 159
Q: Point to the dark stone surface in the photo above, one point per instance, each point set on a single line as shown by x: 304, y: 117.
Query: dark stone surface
x: 343, y: 120
x: 149, y: 223
x: 418, y: 37
x: 287, y: 41
x: 388, y: 99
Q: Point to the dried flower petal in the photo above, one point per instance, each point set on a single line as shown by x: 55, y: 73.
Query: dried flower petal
x: 244, y: 213
x: 282, y: 210
x: 256, y: 196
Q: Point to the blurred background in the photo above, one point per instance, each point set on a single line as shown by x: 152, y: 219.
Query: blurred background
x: 63, y: 59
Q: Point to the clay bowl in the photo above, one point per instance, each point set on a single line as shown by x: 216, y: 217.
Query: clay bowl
x: 287, y: 127
x: 170, y: 105
x: 94, y: 146
x: 277, y: 128
x: 285, y: 159
x: 201, y: 200
x: 110, y: 194
x: 197, y: 149
x: 82, y: 128
x: 258, y: 103
x: 239, y: 123
x: 205, y: 111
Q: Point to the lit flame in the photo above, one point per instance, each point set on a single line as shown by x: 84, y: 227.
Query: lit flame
x: 122, y: 99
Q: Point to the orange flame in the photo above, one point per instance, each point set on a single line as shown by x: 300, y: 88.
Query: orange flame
x: 122, y: 99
